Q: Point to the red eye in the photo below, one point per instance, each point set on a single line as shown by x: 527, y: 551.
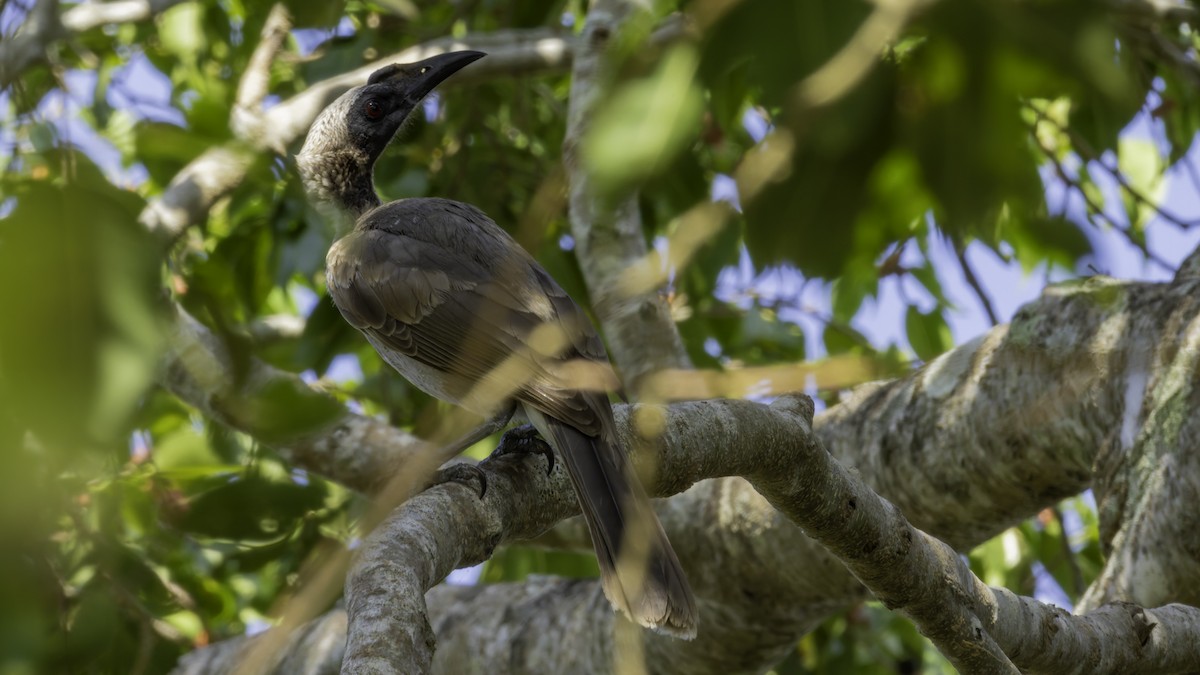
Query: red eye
x: 372, y: 109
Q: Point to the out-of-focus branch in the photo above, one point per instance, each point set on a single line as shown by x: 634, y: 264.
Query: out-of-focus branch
x: 609, y: 238
x: 1093, y: 207
x: 44, y: 26
x: 274, y: 328
x: 247, y: 115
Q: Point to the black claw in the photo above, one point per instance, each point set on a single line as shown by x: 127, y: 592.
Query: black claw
x: 462, y: 473
x: 525, y: 440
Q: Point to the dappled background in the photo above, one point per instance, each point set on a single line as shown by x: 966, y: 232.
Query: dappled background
x: 900, y: 176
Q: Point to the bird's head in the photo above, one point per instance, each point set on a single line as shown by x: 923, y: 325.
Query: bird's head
x: 349, y: 135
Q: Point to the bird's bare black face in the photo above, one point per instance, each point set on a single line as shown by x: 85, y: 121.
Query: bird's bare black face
x: 348, y: 136
x: 391, y: 94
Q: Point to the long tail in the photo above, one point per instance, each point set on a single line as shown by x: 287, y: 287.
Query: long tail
x: 638, y: 569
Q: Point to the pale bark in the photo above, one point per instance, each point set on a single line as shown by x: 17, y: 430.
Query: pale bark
x: 609, y: 237
x: 1148, y: 474
x: 938, y: 443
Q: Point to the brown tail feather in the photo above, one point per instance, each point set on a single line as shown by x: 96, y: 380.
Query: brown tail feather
x: 638, y: 569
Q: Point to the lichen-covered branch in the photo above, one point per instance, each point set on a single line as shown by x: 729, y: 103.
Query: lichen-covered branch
x: 978, y: 439
x: 908, y: 570
x: 609, y: 238
x: 355, y: 450
x: 1148, y: 476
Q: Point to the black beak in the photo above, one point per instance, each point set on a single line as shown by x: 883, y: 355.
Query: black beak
x: 418, y: 79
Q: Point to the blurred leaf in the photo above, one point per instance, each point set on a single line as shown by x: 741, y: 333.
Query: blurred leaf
x: 1139, y: 161
x: 778, y: 43
x: 326, y: 334
x: 514, y: 563
x: 927, y: 333
x: 811, y: 217
x: 1038, y: 239
x: 281, y: 410
x: 764, y: 338
x: 183, y: 448
x: 166, y: 148
x: 841, y: 339
x: 315, y: 14
x: 79, y: 280
x: 249, y: 508
x: 180, y: 31
x: 637, y: 132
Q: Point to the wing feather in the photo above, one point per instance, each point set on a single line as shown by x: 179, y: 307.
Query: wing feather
x: 441, y: 284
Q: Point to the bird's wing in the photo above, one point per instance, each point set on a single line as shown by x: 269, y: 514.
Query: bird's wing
x: 455, y: 294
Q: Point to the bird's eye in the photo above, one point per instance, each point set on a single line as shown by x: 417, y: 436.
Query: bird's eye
x: 372, y: 109
x: 424, y: 69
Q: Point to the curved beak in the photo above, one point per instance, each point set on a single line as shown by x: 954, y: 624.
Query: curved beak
x: 420, y: 78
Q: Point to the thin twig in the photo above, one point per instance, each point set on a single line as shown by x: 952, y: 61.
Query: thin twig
x: 973, y: 281
x: 1093, y: 208
x: 1077, y: 584
x: 1088, y: 154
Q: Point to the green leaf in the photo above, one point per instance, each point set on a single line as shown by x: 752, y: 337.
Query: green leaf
x: 282, y: 410
x: 1143, y: 167
x: 181, y: 31
x: 927, y: 332
x: 79, y: 281
x: 251, y: 508
x: 814, y: 217
x: 645, y: 123
x: 307, y: 14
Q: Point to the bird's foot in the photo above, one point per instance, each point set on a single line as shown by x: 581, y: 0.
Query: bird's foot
x: 463, y: 473
x: 525, y: 440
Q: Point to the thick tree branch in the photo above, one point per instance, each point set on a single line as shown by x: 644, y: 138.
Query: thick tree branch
x: 1149, y: 478
x: 978, y: 439
x: 908, y: 570
x: 609, y: 238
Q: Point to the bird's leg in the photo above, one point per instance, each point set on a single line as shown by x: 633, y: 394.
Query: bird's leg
x: 525, y: 439
x: 464, y: 472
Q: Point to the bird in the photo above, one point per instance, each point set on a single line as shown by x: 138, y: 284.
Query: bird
x: 452, y: 302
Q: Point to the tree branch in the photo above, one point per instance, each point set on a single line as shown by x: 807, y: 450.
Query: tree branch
x: 355, y: 450
x: 1149, y: 478
x: 247, y: 116
x: 980, y: 438
x: 910, y: 571
x: 973, y: 282
x: 609, y: 238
